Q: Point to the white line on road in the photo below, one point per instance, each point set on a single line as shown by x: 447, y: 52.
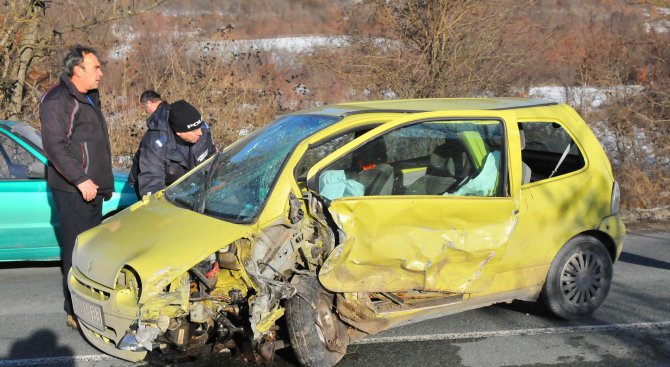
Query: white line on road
x: 519, y: 332
x: 390, y: 339
x: 56, y: 360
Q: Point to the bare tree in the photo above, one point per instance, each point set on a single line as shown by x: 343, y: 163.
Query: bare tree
x: 430, y: 48
x: 28, y: 36
x: 18, y: 44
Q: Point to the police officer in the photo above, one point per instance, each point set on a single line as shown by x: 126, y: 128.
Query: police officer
x: 176, y: 141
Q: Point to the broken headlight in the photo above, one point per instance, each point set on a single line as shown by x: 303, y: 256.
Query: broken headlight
x: 128, y: 282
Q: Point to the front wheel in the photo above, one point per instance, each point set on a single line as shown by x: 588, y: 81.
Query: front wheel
x: 579, y: 279
x: 317, y: 335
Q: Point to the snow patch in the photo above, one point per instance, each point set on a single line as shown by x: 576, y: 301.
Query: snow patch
x: 660, y: 23
x: 583, y: 97
x: 296, y: 45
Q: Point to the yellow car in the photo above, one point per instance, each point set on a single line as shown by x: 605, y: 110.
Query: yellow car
x: 348, y: 219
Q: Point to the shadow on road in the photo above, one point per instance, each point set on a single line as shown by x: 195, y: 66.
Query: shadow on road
x: 644, y: 261
x: 29, y: 264
x: 42, y: 344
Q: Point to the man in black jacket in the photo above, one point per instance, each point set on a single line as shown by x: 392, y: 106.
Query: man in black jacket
x: 177, y: 141
x: 153, y: 104
x: 76, y: 140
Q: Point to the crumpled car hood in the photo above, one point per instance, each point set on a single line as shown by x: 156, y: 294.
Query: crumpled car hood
x: 157, y: 239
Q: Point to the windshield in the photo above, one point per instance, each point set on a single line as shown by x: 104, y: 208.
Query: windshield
x: 29, y: 134
x: 236, y: 183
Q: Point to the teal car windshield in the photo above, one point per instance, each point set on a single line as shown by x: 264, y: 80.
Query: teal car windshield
x: 235, y: 185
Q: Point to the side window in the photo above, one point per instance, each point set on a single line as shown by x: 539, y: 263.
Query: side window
x: 549, y: 150
x: 15, y: 160
x: 454, y: 158
x: 318, y: 152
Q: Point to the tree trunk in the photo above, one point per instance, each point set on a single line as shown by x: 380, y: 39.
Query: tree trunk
x: 26, y: 48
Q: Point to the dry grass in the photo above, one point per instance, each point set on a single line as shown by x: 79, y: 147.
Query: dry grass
x: 402, y: 48
x: 642, y: 188
x: 234, y: 96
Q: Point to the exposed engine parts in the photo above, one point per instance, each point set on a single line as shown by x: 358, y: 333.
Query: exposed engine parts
x: 236, y: 293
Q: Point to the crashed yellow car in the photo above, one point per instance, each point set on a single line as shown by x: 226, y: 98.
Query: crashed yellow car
x: 344, y: 220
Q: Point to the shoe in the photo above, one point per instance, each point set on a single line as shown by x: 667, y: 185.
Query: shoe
x: 71, y: 321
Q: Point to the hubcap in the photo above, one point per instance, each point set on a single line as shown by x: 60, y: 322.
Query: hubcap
x: 582, y: 279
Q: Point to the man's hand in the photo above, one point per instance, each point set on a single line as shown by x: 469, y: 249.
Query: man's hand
x: 88, y: 189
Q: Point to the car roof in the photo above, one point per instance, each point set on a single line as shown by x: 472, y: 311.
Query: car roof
x: 426, y: 105
x: 28, y: 133
x: 11, y: 125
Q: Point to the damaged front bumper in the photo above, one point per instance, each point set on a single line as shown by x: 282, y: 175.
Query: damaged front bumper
x: 105, y: 315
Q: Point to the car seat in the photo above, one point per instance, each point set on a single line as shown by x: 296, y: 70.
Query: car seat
x: 372, y: 170
x: 377, y: 180
x: 448, y: 165
x: 484, y: 182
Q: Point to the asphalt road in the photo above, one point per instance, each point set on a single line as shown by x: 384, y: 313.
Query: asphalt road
x: 632, y: 328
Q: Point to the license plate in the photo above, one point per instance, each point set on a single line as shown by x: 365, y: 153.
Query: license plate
x: 88, y: 312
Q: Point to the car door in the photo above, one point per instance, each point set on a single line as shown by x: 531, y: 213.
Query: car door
x: 28, y: 216
x: 443, y: 229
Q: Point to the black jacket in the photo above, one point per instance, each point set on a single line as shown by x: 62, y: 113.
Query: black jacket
x: 75, y: 138
x: 162, y: 157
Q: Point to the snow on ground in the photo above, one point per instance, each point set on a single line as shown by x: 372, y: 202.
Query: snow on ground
x: 298, y: 44
x: 583, y: 97
x: 283, y: 50
x: 592, y: 98
x: 658, y: 22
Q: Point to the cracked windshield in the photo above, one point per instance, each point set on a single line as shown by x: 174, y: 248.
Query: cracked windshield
x: 235, y: 184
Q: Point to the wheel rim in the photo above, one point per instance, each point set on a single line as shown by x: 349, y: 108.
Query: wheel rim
x: 583, y: 279
x: 327, y: 325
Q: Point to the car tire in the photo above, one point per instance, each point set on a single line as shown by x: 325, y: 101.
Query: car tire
x: 317, y: 335
x: 578, y: 280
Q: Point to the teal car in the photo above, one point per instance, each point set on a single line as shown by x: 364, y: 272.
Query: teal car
x: 28, y: 217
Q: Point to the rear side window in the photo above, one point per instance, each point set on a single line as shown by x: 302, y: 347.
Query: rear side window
x: 549, y: 150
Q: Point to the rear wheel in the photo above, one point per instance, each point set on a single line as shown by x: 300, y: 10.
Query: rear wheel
x: 317, y: 335
x: 578, y: 280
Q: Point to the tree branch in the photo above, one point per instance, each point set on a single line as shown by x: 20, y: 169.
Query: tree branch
x: 111, y: 18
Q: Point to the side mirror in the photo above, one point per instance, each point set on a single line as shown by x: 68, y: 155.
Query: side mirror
x: 36, y: 170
